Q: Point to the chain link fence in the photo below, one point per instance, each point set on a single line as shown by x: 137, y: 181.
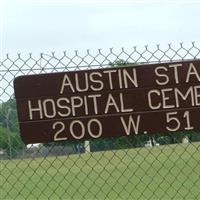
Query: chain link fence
x: 160, y: 166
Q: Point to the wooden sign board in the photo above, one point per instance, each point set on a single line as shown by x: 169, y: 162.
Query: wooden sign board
x: 110, y: 102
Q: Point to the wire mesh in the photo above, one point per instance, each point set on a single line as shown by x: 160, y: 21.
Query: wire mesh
x: 133, y: 167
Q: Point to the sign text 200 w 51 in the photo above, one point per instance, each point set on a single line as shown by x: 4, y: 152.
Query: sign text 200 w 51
x: 173, y: 123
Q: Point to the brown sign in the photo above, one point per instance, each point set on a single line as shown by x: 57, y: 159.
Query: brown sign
x: 109, y: 102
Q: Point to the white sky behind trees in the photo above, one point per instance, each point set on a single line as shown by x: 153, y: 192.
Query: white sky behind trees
x: 45, y: 26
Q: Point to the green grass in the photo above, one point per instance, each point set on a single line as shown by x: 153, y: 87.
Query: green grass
x: 164, y: 172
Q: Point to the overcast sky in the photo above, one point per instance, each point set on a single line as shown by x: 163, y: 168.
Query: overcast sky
x: 28, y: 26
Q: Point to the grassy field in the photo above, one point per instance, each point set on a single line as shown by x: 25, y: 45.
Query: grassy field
x: 164, y: 172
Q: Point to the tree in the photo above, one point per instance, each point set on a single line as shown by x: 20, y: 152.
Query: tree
x: 118, y: 63
x: 8, y: 115
x: 9, y: 130
x: 10, y: 142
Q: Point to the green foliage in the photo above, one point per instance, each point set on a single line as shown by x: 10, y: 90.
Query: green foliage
x: 8, y: 115
x: 3, y: 138
x: 118, y: 62
x: 194, y: 135
x: 123, y: 142
x: 9, y: 141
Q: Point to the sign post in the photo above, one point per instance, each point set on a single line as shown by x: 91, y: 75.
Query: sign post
x: 111, y: 102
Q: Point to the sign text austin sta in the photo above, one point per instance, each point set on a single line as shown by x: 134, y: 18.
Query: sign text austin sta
x: 143, y: 99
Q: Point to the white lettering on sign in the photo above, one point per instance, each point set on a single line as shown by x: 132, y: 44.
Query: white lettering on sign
x: 164, y: 78
x: 64, y: 108
x: 175, y: 67
x: 120, y: 79
x: 89, y: 126
x: 94, y: 97
x: 60, y: 130
x: 72, y: 106
x: 188, y: 95
x: 77, y: 129
x: 36, y: 109
x: 172, y: 97
x: 76, y: 123
x: 76, y: 102
x: 132, y: 78
x: 192, y: 71
x: 110, y: 72
x: 122, y: 94
x: 122, y: 105
x: 51, y: 112
x: 66, y: 82
x: 131, y: 125
x: 173, y: 123
x: 197, y: 95
x: 153, y: 104
x: 111, y: 103
x: 86, y: 105
x: 94, y: 81
x: 79, y: 89
x: 165, y: 98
